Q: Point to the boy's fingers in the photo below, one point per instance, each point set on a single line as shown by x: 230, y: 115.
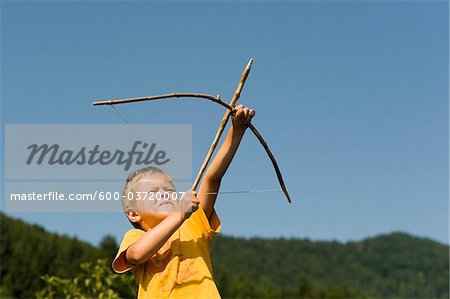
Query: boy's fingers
x: 249, y: 115
x: 243, y: 114
x: 195, y: 203
x: 239, y: 113
x: 249, y: 118
x: 244, y: 120
x: 191, y: 193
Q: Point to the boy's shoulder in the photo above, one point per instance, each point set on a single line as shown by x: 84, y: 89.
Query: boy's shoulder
x: 134, y: 231
x: 120, y: 264
x: 132, y: 235
x: 210, y: 226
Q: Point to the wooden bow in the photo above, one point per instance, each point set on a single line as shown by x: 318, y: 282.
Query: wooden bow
x: 223, y: 123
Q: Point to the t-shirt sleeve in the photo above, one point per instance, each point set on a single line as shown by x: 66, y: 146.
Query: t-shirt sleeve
x: 120, y: 264
x: 211, y: 226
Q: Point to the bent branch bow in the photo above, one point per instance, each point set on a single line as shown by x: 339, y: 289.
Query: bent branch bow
x: 222, y: 125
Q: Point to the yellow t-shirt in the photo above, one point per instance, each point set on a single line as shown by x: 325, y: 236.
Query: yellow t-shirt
x: 177, y: 270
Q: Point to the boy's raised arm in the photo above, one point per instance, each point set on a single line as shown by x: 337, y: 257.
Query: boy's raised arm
x: 211, y: 182
x: 149, y: 243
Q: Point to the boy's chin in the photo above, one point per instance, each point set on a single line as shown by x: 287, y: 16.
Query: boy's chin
x: 166, y: 207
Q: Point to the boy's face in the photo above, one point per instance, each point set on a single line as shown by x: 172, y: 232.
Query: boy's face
x: 153, y: 199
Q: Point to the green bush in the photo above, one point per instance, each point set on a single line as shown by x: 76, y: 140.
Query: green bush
x: 93, y: 281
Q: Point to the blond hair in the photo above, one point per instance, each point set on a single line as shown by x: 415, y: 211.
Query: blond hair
x: 128, y: 203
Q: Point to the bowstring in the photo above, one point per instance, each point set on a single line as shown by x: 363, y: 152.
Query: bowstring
x: 127, y: 123
x: 242, y: 191
x: 206, y: 193
x: 141, y: 139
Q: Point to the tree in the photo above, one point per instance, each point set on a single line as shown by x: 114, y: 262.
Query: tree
x: 93, y: 281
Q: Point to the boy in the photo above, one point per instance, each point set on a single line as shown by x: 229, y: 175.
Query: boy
x: 168, y: 251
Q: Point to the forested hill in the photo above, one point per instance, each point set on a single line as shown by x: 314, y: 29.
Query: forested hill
x: 397, y: 265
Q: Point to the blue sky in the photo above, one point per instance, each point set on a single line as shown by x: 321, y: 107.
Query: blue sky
x: 351, y: 96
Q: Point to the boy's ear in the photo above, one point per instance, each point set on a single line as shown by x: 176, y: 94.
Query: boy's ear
x: 133, y: 216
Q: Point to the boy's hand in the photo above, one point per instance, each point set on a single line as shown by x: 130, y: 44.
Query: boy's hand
x: 189, y: 203
x: 242, y: 116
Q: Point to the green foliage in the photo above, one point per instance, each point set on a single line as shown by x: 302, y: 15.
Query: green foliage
x: 237, y: 286
x: 27, y: 252
x: 395, y: 266
x: 108, y: 246
x: 93, y: 281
